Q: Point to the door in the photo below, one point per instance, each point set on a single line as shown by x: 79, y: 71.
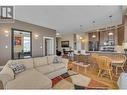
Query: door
x: 48, y: 46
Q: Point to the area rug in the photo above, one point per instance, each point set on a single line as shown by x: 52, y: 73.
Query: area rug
x: 73, y: 80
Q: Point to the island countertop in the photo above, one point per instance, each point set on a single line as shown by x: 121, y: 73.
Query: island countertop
x: 105, y: 52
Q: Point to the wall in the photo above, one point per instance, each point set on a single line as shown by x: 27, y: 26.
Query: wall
x: 50, y: 46
x: 5, y: 53
x: 67, y: 38
x: 80, y: 44
x: 85, y: 44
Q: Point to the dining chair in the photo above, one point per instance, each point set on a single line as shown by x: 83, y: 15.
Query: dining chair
x: 65, y: 53
x: 104, y: 64
x: 119, y: 61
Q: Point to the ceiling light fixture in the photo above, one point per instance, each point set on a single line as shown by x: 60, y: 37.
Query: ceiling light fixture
x: 93, y: 22
x: 83, y: 40
x: 57, y: 34
x: 81, y: 28
x: 6, y: 31
x: 80, y: 38
x: 110, y: 33
x: 93, y: 36
x: 36, y: 36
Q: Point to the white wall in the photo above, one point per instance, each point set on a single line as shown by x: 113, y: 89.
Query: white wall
x: 67, y: 38
x: 86, y: 41
x: 80, y: 45
x: 78, y: 42
x: 50, y: 45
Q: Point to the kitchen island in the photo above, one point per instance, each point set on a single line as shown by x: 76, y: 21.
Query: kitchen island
x: 105, y: 52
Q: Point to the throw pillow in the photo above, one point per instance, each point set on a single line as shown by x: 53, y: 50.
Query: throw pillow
x: 56, y: 60
x: 17, y: 67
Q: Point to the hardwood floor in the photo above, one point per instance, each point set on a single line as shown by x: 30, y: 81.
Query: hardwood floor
x: 92, y: 73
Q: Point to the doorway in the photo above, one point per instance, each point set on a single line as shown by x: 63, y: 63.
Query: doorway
x: 21, y: 44
x: 48, y: 46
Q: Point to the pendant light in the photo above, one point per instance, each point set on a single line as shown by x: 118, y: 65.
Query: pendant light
x: 81, y: 31
x: 93, y: 36
x: 110, y: 33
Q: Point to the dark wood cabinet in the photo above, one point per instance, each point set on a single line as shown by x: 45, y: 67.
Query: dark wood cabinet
x: 94, y: 41
x: 96, y: 38
x: 111, y: 36
x: 120, y: 33
x: 93, y: 45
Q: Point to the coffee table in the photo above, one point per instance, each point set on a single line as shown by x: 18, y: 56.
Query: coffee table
x: 81, y: 64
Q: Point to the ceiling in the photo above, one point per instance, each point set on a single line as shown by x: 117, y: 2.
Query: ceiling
x: 67, y: 19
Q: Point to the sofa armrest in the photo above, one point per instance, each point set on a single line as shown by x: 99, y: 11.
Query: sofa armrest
x: 4, y: 78
x: 1, y: 85
x: 7, y: 70
x: 6, y: 74
x: 122, y: 81
x: 65, y: 61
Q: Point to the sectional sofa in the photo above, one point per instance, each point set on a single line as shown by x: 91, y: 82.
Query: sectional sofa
x: 37, y: 75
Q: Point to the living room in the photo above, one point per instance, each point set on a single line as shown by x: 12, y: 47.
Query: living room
x: 63, y: 47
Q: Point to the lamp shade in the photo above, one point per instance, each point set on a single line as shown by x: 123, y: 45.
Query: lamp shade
x: 125, y: 45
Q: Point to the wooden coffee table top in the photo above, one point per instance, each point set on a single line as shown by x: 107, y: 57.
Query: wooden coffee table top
x: 81, y: 64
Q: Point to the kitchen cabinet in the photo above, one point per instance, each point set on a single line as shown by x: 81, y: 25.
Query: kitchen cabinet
x: 107, y: 37
x: 120, y: 36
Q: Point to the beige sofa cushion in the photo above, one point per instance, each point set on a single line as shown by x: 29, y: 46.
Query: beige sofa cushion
x: 30, y: 79
x: 65, y: 61
x: 28, y: 63
x: 40, y: 61
x: 50, y: 68
x: 50, y: 59
x: 45, y: 69
x: 58, y: 66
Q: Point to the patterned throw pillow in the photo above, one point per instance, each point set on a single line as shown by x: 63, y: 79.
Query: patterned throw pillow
x: 17, y: 67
